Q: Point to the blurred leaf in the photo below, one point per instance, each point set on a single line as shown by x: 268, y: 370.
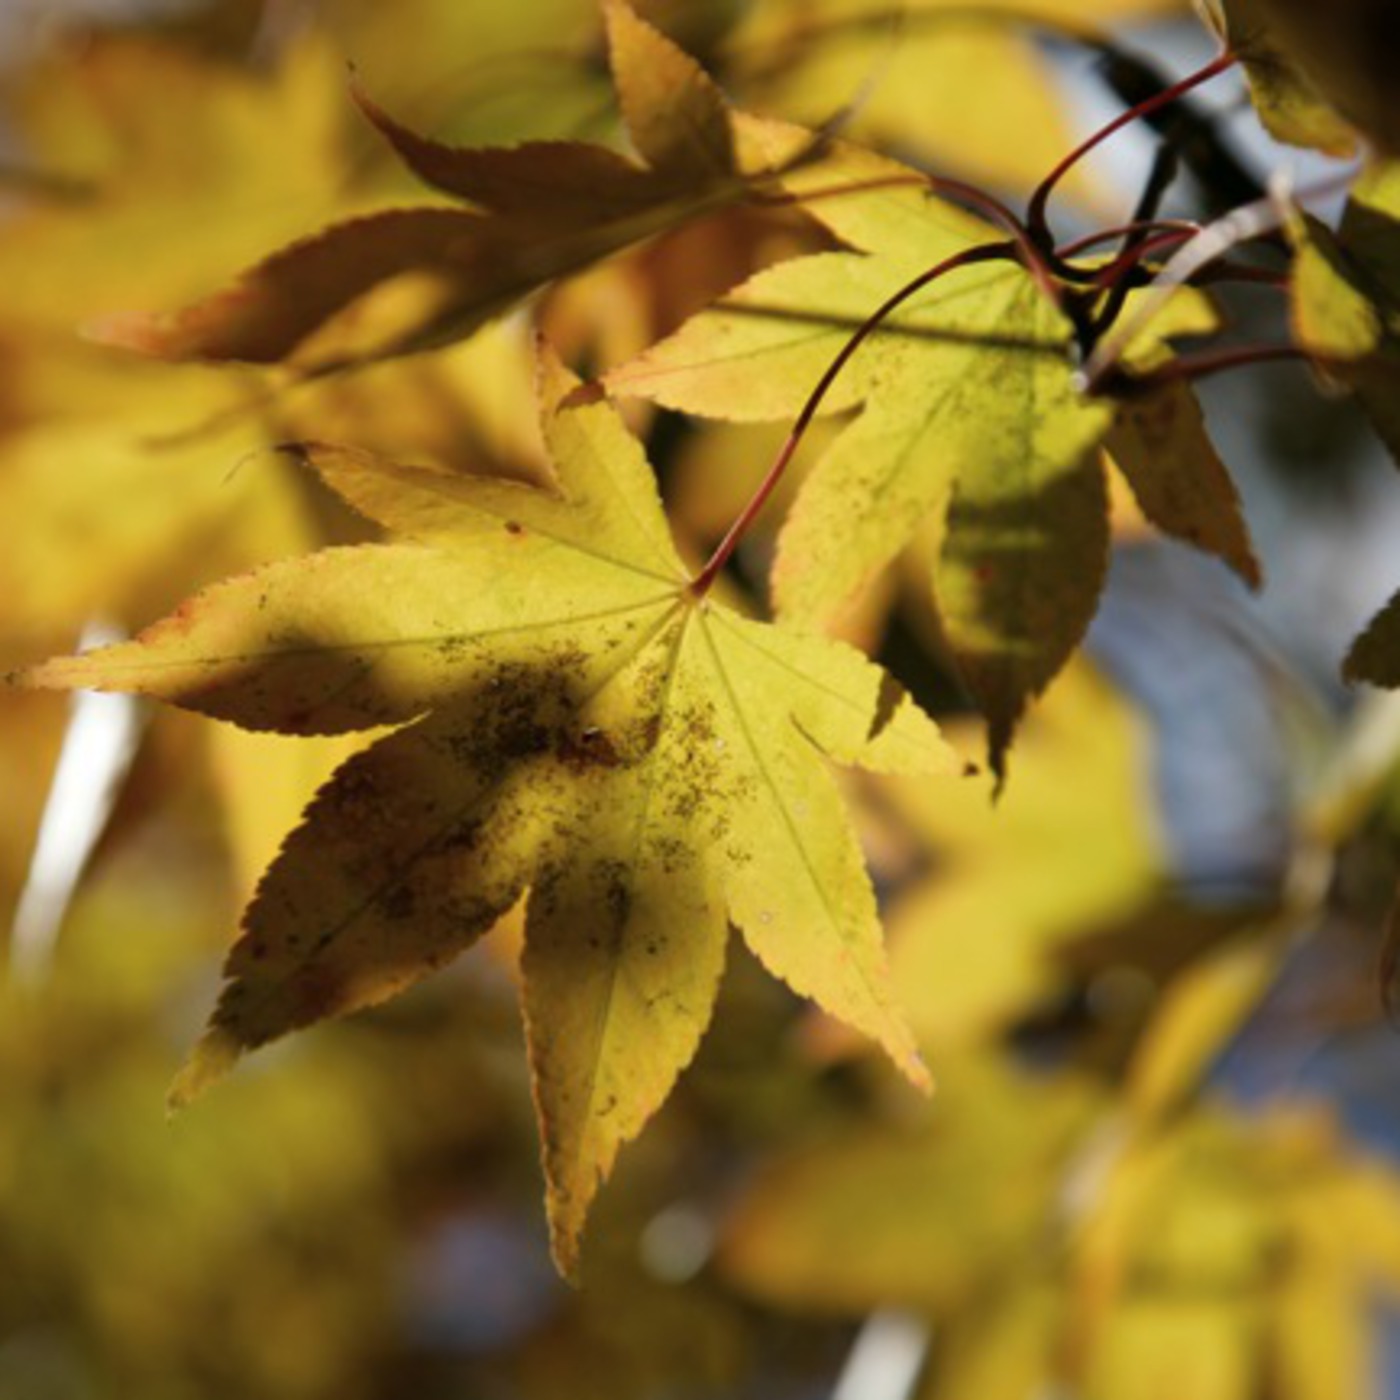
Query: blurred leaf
x: 193, y: 158
x: 118, y: 508
x: 981, y: 940
x: 1307, y: 63
x: 964, y: 87
x: 933, y: 1216
x: 1211, y: 1234
x: 1201, y: 1012
x: 1283, y: 84
x: 543, y: 210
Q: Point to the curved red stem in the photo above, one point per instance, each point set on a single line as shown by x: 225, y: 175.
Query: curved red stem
x: 1036, y: 220
x: 983, y: 252
x: 1193, y: 367
x: 1110, y: 235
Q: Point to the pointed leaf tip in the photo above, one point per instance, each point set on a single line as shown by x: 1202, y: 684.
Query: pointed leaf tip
x: 676, y: 116
x: 138, y: 331
x: 585, y: 395
x: 210, y: 1061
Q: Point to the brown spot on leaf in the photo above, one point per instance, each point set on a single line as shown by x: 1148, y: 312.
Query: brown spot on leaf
x: 590, y: 748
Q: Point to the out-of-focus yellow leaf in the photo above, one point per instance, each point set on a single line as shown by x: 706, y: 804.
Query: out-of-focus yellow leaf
x: 117, y: 514
x: 960, y: 85
x: 1000, y: 1347
x: 932, y: 1217
x: 1071, y: 844
x: 1323, y: 1335
x: 237, y: 1254
x: 468, y: 408
x: 1214, y: 1237
x: 1198, y: 1016
x: 1164, y: 1348
x: 193, y: 167
x: 537, y: 212
x: 481, y: 74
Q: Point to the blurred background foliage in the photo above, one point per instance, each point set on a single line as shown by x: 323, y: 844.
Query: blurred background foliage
x: 1162, y: 1158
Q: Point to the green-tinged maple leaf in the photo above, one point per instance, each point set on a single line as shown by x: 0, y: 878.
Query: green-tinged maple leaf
x: 966, y: 408
x: 647, y: 765
x: 539, y: 211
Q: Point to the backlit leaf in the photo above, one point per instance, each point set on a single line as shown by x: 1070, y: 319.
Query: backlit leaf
x: 964, y: 87
x: 1346, y: 295
x: 977, y: 950
x: 966, y: 408
x: 640, y: 765
x: 1308, y: 63
x: 1159, y: 443
x: 543, y: 210
x: 1346, y: 311
x: 1282, y: 83
x: 923, y: 1216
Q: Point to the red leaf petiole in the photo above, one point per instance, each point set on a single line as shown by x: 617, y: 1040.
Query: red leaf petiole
x: 983, y: 252
x: 1036, y: 220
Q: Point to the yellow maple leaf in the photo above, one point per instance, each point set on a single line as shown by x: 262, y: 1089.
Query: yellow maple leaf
x: 645, y: 762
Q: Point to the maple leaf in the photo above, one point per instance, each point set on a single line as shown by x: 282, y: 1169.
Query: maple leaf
x: 111, y: 505
x: 1316, y: 72
x: 1345, y: 290
x: 967, y: 412
x: 541, y: 210
x: 1189, y: 1223
x: 1159, y: 444
x: 966, y: 408
x: 648, y: 764
x: 961, y: 1219
x: 111, y: 510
